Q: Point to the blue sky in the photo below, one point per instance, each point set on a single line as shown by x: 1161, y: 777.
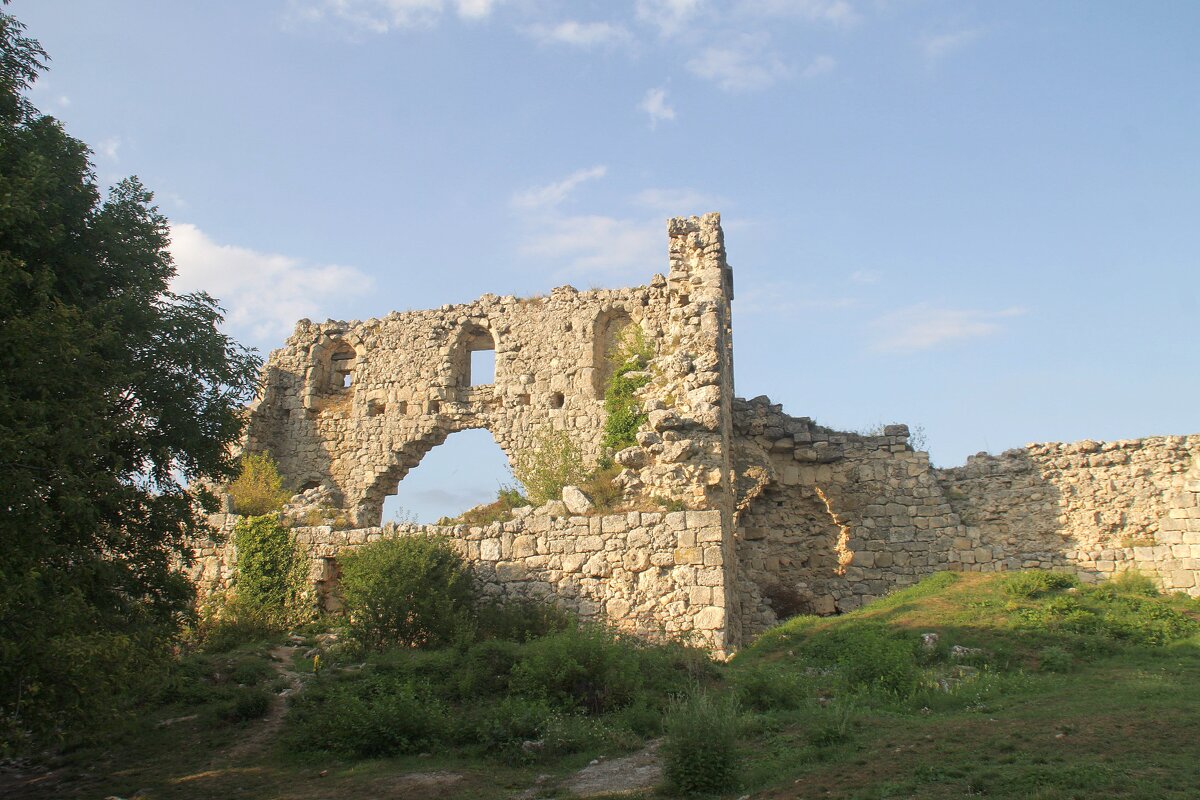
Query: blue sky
x: 981, y: 218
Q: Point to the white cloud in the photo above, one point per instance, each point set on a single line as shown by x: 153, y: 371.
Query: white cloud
x: 938, y: 47
x: 669, y: 16
x: 655, y: 105
x: 109, y: 147
x: 819, y: 66
x: 742, y: 66
x: 834, y: 12
x: 677, y: 202
x: 382, y: 16
x: 551, y: 195
x: 584, y: 35
x: 865, y: 277
x: 922, y: 327
x: 264, y: 294
x: 593, y: 245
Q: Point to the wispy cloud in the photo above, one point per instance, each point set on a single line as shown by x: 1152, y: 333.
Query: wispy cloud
x: 818, y: 66
x: 865, y: 277
x: 938, y: 47
x: 741, y: 66
x: 835, y: 12
x: 669, y: 16
x: 787, y: 298
x: 552, y: 194
x: 594, y: 245
x: 677, y: 202
x: 109, y: 147
x: 656, y: 107
x: 584, y: 35
x: 382, y: 16
x: 923, y: 327
x: 263, y: 293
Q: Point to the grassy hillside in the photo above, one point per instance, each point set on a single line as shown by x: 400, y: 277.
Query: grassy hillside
x: 1023, y: 685
x: 1033, y: 688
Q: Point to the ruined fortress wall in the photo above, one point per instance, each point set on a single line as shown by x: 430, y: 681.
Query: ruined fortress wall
x: 785, y: 515
x: 649, y: 573
x: 1095, y: 508
x: 831, y: 519
x: 351, y: 407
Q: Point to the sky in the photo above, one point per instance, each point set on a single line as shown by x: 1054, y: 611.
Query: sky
x: 978, y: 218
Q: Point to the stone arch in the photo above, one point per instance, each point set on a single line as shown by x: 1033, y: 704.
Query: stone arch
x: 404, y: 459
x: 471, y: 337
x: 334, y: 366
x: 605, y: 331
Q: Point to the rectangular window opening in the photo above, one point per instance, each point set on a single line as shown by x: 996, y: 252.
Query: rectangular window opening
x: 483, y: 367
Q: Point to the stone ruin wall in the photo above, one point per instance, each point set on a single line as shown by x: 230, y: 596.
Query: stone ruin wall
x: 352, y: 407
x: 653, y: 574
x: 830, y: 520
x: 786, y: 515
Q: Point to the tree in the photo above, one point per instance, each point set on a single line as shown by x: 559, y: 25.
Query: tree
x: 115, y: 395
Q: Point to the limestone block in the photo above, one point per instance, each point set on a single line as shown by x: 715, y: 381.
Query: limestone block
x: 524, y: 546
x: 710, y: 618
x: 575, y: 500
x: 489, y: 550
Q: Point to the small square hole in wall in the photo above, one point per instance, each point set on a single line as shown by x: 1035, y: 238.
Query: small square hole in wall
x: 556, y: 400
x: 434, y: 406
x: 375, y: 408
x: 483, y: 367
x: 402, y: 407
x: 523, y: 400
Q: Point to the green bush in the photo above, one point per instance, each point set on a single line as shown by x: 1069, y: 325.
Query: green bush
x: 585, y: 668
x: 413, y: 591
x: 554, y: 462
x: 869, y: 657
x: 519, y: 619
x: 771, y: 686
x: 1133, y: 582
x: 504, y: 726
x: 250, y: 703
x: 258, y: 488
x: 1037, y: 583
x: 272, y: 574
x: 624, y: 413
x: 487, y: 667
x: 700, y: 751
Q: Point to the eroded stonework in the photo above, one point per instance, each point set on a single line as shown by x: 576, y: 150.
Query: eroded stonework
x: 783, y: 515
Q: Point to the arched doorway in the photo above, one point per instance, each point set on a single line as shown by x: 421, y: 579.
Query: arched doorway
x: 466, y: 470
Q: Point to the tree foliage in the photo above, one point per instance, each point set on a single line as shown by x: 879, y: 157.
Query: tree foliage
x: 114, y: 394
x: 258, y: 488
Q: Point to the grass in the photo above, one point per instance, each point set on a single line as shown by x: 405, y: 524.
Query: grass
x: 1036, y: 687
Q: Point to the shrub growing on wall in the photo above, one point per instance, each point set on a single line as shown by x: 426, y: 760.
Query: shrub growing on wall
x: 415, y: 591
x: 258, y: 488
x: 631, y: 355
x: 554, y: 462
x: 272, y: 572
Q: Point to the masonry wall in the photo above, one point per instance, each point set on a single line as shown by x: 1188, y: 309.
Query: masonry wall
x: 352, y: 406
x: 649, y: 573
x: 829, y: 520
x: 1094, y: 507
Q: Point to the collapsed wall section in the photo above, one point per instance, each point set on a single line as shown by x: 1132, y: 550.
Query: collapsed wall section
x: 1093, y: 507
x: 828, y: 520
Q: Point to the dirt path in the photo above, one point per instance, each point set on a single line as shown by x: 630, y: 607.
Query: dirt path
x: 263, y: 733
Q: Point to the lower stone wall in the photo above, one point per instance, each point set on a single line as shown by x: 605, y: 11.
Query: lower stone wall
x: 652, y: 574
x: 1095, y: 508
x: 828, y: 520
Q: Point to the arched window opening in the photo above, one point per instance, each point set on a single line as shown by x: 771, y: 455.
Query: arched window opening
x: 606, y: 333
x: 556, y: 399
x: 474, y: 359
x: 465, y: 471
x: 341, y: 367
